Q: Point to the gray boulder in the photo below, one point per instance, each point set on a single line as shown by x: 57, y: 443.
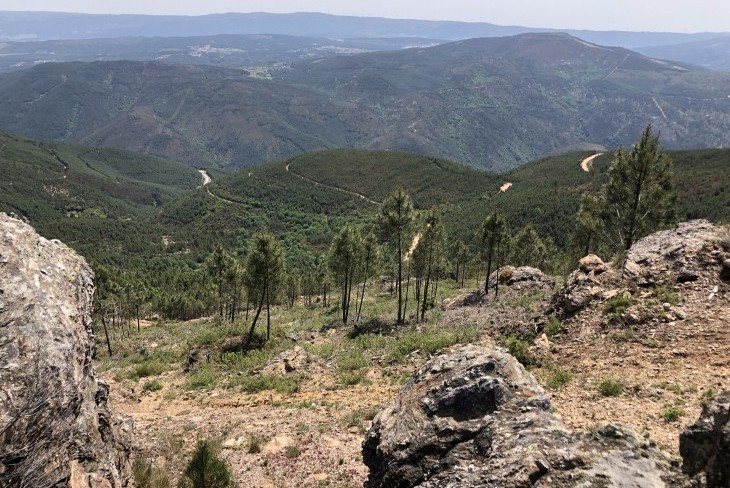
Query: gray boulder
x: 589, y: 282
x: 705, y: 445
x: 56, y: 426
x: 477, y: 418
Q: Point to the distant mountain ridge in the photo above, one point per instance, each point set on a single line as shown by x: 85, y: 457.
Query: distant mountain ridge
x: 492, y: 103
x: 224, y: 50
x: 56, y: 25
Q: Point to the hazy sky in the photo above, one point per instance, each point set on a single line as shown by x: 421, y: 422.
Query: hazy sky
x: 643, y: 15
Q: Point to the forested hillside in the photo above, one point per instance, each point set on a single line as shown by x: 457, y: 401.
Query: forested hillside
x: 488, y: 103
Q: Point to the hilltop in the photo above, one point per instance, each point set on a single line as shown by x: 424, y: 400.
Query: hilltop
x: 111, y: 203
x: 488, y: 103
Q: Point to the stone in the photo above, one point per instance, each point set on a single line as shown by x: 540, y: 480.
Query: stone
x: 295, y: 360
x: 522, y: 277
x: 56, y: 424
x: 705, y: 445
x: 474, y: 417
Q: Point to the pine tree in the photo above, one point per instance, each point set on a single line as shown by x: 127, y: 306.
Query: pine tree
x: 527, y: 248
x: 639, y: 197
x: 493, y: 237
x: 396, y: 220
x: 264, y: 274
x: 206, y: 469
x: 345, y: 260
x: 428, y: 255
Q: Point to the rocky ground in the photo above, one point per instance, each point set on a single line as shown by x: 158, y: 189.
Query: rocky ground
x: 646, y: 349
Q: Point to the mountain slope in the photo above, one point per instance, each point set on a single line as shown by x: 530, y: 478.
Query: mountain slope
x: 489, y: 103
x: 710, y: 53
x: 101, y: 201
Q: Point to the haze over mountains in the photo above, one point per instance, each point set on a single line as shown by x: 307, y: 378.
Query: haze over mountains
x: 38, y: 26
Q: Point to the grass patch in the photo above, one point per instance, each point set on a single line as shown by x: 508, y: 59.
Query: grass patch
x: 610, y: 388
x: 255, y: 444
x: 147, y: 475
x: 147, y: 368
x: 153, y: 385
x: 356, y: 417
x: 666, y: 295
x: 519, y: 349
x: 672, y: 413
x: 352, y: 379
x: 617, y: 305
x: 708, y: 395
x: 292, y: 451
x: 254, y: 384
x: 204, y: 379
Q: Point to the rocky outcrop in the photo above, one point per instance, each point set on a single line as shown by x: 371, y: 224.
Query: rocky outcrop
x: 56, y: 426
x: 589, y: 282
x: 523, y: 277
x: 476, y: 417
x: 690, y: 252
x: 705, y: 445
x: 693, y: 253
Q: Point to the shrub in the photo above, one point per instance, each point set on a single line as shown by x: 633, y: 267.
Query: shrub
x: 666, y: 295
x: 147, y: 475
x: 351, y: 379
x: 356, y: 417
x: 292, y: 451
x: 204, y: 379
x: 610, y: 387
x: 671, y: 413
x: 519, y: 349
x: 206, y: 469
x: 255, y: 443
x: 557, y: 378
x: 552, y: 328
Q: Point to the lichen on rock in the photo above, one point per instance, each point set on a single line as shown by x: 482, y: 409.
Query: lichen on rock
x: 56, y: 426
x: 475, y: 417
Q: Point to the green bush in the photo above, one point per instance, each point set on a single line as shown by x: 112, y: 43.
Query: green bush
x: 204, y: 379
x: 617, y: 305
x: 519, y: 349
x: 206, y: 469
x: 666, y: 295
x: 610, y: 387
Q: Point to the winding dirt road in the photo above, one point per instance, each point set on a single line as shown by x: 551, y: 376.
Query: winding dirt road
x: 586, y: 164
x: 206, y: 177
x: 337, y: 188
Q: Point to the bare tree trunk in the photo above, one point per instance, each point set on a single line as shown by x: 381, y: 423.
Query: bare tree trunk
x: 106, y: 333
x: 253, y: 323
